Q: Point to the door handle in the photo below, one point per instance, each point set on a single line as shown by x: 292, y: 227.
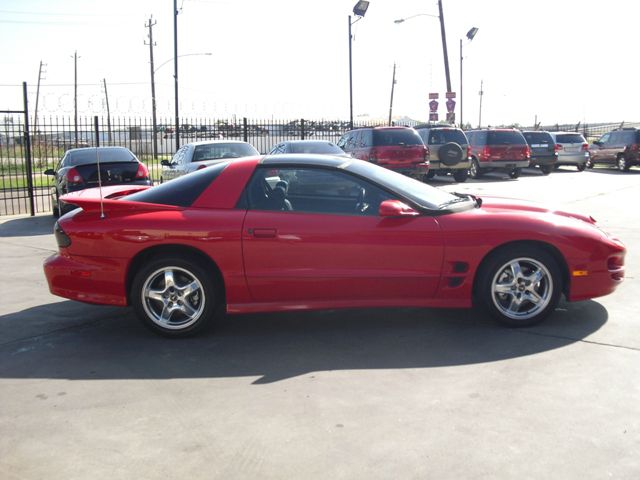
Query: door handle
x: 263, y: 232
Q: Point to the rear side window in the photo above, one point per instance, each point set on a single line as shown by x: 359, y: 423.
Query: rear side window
x: 570, y: 138
x: 505, y: 138
x: 216, y: 151
x: 538, y: 138
x: 182, y: 191
x: 390, y: 137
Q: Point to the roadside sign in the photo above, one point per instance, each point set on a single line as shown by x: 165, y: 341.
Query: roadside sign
x: 433, y: 117
x: 433, y: 105
x: 450, y: 94
x: 451, y: 105
x: 433, y: 96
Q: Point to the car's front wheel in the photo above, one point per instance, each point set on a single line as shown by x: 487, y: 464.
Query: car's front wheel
x: 474, y: 169
x: 581, y: 167
x: 622, y: 164
x: 175, y: 296
x: 514, y: 173
x: 520, y: 286
x: 546, y: 169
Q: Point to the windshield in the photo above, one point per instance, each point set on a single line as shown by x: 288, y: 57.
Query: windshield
x: 396, y: 136
x: 538, y: 137
x: 413, y: 190
x: 570, y: 138
x: 215, y: 151
x: 92, y: 155
x: 315, y: 147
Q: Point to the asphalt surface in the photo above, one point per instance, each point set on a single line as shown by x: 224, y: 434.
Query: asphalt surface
x: 87, y: 392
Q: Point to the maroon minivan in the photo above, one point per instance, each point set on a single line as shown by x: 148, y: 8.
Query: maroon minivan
x: 502, y: 149
x: 397, y: 148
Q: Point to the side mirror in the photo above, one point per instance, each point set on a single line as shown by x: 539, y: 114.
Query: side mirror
x: 395, y: 208
x: 49, y: 171
x: 165, y: 163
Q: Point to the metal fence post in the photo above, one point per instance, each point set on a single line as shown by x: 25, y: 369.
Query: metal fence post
x: 96, y: 130
x: 27, y: 146
x: 302, y: 128
x: 245, y: 129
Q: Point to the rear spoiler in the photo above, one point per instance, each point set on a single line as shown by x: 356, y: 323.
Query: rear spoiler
x: 90, y: 199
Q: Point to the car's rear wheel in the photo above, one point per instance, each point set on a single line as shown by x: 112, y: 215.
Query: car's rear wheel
x: 520, y: 285
x: 514, y: 173
x: 55, y: 207
x: 622, y: 164
x: 590, y: 163
x: 461, y: 175
x: 430, y: 174
x: 581, y: 167
x: 175, y: 296
x: 546, y: 169
x: 474, y: 169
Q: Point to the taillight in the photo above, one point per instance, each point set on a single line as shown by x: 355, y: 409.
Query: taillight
x: 373, y: 155
x: 557, y: 147
x: 527, y: 152
x: 468, y: 151
x: 585, y: 147
x: 62, y: 239
x: 635, y: 147
x: 73, y: 176
x: 427, y: 153
x: 486, y: 152
x: 142, y: 171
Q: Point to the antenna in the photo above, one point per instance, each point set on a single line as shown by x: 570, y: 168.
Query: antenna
x: 95, y: 124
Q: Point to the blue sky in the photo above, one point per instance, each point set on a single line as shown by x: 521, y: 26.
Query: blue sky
x: 557, y: 61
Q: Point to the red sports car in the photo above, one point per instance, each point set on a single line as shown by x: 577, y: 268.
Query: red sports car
x: 293, y: 232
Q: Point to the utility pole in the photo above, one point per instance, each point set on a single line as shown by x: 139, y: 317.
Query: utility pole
x: 35, y: 115
x: 153, y: 89
x: 444, y: 46
x: 175, y: 69
x: 481, y: 92
x: 106, y: 98
x: 393, y: 84
x: 75, y: 96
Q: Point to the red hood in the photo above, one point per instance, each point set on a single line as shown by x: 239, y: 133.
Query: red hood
x: 513, y: 204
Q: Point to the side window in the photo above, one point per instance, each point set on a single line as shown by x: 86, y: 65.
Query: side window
x: 343, y: 141
x: 605, y: 138
x: 179, y: 155
x: 313, y: 190
x: 367, y: 138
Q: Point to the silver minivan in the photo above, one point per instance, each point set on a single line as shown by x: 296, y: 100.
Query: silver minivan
x: 573, y: 149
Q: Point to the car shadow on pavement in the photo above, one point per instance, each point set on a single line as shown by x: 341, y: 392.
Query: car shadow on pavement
x: 28, y: 226
x: 109, y: 343
x: 613, y: 171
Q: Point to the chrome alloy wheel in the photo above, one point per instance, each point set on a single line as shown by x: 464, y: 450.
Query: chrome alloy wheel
x: 522, y: 288
x: 173, y: 298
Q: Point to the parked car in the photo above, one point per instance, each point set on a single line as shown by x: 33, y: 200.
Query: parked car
x: 78, y: 169
x: 397, y: 148
x: 291, y: 232
x: 544, y: 151
x: 572, y: 148
x: 323, y: 147
x: 195, y: 155
x: 449, y: 151
x: 501, y: 149
x: 620, y: 148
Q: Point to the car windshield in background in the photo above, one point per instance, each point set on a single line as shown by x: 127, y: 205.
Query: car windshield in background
x: 537, y: 137
x: 315, y: 147
x: 92, y: 155
x: 388, y: 137
x: 570, y: 138
x: 504, y: 138
x: 421, y: 194
x: 442, y: 136
x: 222, y: 150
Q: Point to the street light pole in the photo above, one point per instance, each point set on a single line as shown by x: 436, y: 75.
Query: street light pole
x: 444, y: 47
x: 358, y: 10
x: 470, y: 34
x: 175, y: 70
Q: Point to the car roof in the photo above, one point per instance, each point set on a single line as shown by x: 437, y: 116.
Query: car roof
x: 573, y: 133
x: 211, y: 142
x: 307, y: 159
x: 84, y: 149
x: 307, y: 141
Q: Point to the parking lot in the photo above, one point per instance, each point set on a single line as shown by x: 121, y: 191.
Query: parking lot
x: 87, y: 392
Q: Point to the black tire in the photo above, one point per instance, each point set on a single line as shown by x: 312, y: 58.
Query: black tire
x: 514, y: 173
x: 622, y: 164
x: 178, y: 288
x: 450, y: 154
x: 461, y: 175
x: 430, y: 174
x: 581, y: 167
x: 474, y: 169
x: 546, y: 169
x: 55, y: 208
x: 522, y: 296
x: 590, y: 163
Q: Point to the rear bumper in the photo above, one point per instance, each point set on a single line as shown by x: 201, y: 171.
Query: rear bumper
x: 543, y: 160
x: 573, y: 158
x: 415, y: 169
x: 503, y: 164
x: 87, y: 279
x: 437, y: 165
